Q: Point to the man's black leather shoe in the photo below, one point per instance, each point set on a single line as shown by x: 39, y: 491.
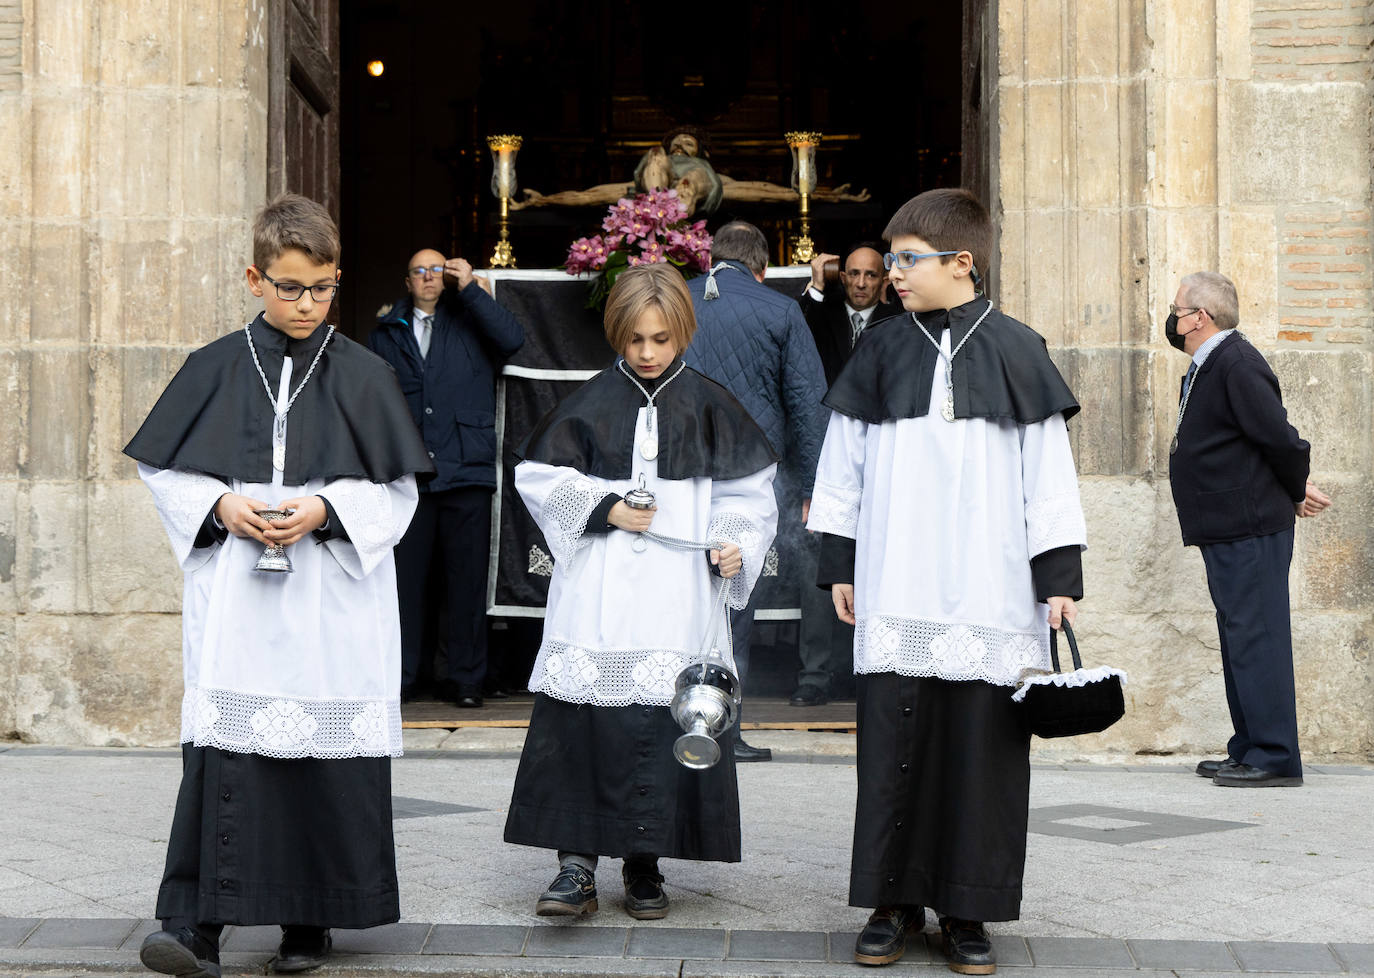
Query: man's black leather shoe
x: 809, y: 695
x: 883, y: 939
x: 744, y: 752
x: 180, y: 952
x: 967, y: 946
x: 1209, y: 769
x: 302, y: 948
x: 469, y: 696
x: 1249, y: 776
x: 644, y: 896
x: 571, y: 894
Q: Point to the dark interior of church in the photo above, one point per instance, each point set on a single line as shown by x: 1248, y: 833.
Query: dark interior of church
x: 591, y: 88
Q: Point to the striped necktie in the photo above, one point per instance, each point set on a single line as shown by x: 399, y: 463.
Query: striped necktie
x: 856, y: 326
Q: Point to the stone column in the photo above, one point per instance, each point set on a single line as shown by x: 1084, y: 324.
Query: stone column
x: 1141, y: 140
x: 137, y: 154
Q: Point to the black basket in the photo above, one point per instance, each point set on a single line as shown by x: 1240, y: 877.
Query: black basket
x: 1067, y: 711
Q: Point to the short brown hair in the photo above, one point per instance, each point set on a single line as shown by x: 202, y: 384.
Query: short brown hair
x: 293, y: 221
x: 742, y: 242
x: 657, y: 285
x: 949, y: 219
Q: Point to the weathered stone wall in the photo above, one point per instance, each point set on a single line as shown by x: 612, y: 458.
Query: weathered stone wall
x: 1141, y: 140
x: 135, y: 154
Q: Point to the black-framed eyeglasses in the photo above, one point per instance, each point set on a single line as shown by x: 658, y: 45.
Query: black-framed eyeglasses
x: 419, y: 270
x: 1179, y: 312
x: 291, y: 291
x: 906, y: 259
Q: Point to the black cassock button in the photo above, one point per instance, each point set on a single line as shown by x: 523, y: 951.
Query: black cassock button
x: 224, y: 839
x: 225, y: 884
x: 904, y: 768
x: 906, y: 711
x: 641, y: 829
x: 899, y: 826
x: 648, y: 710
x: 225, y: 796
x: 891, y: 880
x: 643, y: 790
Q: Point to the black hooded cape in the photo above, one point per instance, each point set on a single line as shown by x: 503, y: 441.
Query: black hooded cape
x: 703, y: 432
x: 350, y: 420
x: 1004, y: 371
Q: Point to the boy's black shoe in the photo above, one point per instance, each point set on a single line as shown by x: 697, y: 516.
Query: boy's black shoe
x: 747, y: 752
x: 571, y: 894
x: 302, y: 948
x: 644, y: 896
x: 180, y: 952
x: 967, y: 946
x: 883, y: 939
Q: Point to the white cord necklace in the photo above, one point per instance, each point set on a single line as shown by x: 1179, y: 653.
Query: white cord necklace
x: 649, y: 449
x: 947, y: 408
x: 1183, y: 405
x: 279, y: 417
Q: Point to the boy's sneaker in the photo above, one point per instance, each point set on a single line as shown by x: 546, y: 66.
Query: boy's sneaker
x: 571, y: 894
x: 181, y: 952
x: 302, y: 948
x: 967, y: 946
x: 883, y: 939
x: 644, y: 896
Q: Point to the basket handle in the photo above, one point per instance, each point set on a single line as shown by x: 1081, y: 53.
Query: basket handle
x: 1073, y: 646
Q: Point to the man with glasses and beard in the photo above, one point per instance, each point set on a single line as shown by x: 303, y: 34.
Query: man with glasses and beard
x: 446, y: 341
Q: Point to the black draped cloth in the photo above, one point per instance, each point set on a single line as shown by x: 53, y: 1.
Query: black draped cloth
x: 600, y: 780
x: 263, y: 840
x: 944, y: 794
x: 703, y: 432
x: 350, y: 420
x: 1003, y: 371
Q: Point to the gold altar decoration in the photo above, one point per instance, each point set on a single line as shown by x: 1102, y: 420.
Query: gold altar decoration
x: 803, y: 146
x: 503, y: 149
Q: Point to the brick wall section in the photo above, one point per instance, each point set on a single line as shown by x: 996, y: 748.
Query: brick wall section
x: 1311, y: 40
x: 11, y: 31
x: 1325, y: 278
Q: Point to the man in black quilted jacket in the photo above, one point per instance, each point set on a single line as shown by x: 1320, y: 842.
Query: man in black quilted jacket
x: 755, y: 342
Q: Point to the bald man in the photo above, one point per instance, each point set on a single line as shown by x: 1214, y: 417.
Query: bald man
x: 446, y: 340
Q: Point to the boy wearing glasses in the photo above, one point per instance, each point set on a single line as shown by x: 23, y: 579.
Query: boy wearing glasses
x: 446, y: 341
x: 948, y: 500
x: 290, y: 715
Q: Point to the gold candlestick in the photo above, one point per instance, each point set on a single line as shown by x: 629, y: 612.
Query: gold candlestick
x: 503, y: 149
x: 803, y: 146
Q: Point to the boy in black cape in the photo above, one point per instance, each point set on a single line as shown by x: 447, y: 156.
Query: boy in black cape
x: 948, y: 498
x: 291, y: 712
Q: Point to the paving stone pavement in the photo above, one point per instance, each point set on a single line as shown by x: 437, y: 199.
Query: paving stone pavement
x: 1132, y: 867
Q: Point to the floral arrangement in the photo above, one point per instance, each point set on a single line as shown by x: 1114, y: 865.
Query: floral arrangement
x: 641, y: 230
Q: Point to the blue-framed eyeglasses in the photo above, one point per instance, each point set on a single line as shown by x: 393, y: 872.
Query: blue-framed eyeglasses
x: 419, y: 270
x: 291, y: 291
x: 905, y: 259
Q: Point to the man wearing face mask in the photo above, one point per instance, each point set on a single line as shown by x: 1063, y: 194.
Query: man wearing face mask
x: 1239, y: 471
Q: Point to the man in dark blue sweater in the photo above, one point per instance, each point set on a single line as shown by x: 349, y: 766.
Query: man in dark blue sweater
x: 755, y: 342
x: 446, y: 341
x: 1238, y: 471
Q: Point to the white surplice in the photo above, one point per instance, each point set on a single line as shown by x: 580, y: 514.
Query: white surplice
x: 946, y: 517
x: 621, y: 625
x: 305, y: 664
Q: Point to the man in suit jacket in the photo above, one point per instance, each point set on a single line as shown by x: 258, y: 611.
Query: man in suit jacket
x: 837, y: 317
x: 446, y: 340
x: 1238, y: 471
